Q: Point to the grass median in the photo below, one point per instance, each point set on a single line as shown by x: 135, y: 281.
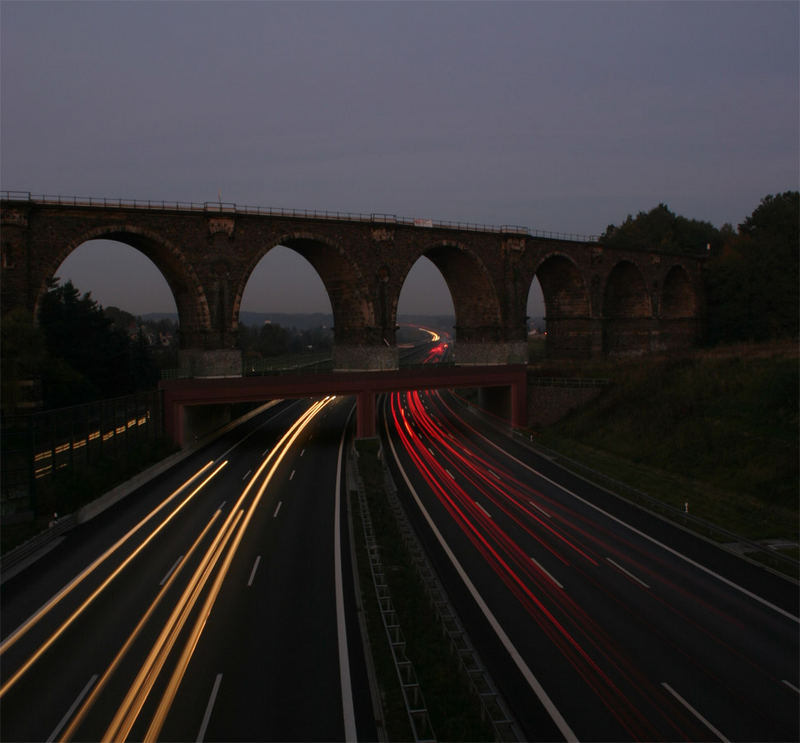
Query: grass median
x: 453, y: 711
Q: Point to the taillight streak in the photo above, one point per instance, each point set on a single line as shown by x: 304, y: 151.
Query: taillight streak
x: 481, y: 531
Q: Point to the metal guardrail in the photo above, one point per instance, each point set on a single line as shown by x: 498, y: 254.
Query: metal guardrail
x: 223, y: 207
x: 721, y: 536
x: 494, y: 709
x: 33, y: 546
x: 416, y: 709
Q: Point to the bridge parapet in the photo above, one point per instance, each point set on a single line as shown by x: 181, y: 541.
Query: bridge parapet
x: 270, y: 211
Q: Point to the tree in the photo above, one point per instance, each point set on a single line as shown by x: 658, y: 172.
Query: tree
x: 23, y: 356
x: 660, y: 229
x: 752, y: 282
x: 89, y: 358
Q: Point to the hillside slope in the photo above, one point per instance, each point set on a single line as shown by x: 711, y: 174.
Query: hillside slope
x: 717, y: 429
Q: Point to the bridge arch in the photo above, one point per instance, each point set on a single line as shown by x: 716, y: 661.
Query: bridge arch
x: 172, y: 264
x: 475, y: 299
x: 343, y: 281
x: 678, y: 297
x: 567, y: 306
x: 678, y: 310
x: 627, y: 311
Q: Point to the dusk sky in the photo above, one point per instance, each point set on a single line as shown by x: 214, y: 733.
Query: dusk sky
x: 558, y: 116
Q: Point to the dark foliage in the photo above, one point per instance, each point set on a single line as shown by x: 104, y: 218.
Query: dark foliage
x: 88, y: 355
x: 660, y: 229
x: 752, y: 281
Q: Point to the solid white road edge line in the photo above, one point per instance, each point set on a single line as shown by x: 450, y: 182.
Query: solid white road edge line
x: 348, y: 711
x: 523, y: 667
x: 72, y: 709
x: 253, y: 571
x: 642, y: 534
x: 209, y: 707
x: 694, y: 712
x: 627, y: 572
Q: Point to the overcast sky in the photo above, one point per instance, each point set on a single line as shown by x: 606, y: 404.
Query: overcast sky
x: 560, y: 116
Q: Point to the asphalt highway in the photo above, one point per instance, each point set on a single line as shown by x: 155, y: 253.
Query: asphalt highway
x: 215, y: 603
x: 597, y: 620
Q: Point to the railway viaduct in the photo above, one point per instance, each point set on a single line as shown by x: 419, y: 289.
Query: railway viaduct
x: 598, y: 300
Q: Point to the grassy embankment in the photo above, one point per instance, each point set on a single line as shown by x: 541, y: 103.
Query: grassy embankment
x: 453, y: 711
x: 717, y: 428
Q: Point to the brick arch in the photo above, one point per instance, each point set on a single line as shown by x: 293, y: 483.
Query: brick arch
x: 678, y: 296
x: 186, y: 287
x: 341, y: 277
x: 567, y: 306
x: 475, y: 299
x: 678, y: 327
x: 627, y: 311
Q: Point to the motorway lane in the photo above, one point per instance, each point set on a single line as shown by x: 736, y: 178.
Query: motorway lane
x: 35, y: 706
x: 274, y: 646
x: 615, y: 627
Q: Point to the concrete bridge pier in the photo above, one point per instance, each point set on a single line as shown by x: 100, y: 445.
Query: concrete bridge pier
x: 362, y: 347
x: 210, y: 362
x: 488, y: 345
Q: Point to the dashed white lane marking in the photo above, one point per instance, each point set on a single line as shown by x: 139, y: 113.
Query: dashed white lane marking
x: 303, y: 451
x: 483, y: 509
x: 170, y: 571
x: 246, y: 475
x: 72, y: 709
x: 546, y: 572
x: 539, y: 508
x: 694, y: 711
x: 628, y: 573
x: 280, y: 503
x: 201, y: 734
x: 292, y: 475
x: 253, y: 571
x: 450, y: 474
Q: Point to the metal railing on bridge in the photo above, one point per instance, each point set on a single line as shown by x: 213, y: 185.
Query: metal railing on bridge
x: 223, y: 207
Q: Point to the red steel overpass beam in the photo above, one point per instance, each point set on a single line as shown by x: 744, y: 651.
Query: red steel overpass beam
x: 179, y: 394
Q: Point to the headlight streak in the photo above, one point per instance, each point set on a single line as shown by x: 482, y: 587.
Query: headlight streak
x: 461, y: 507
x: 228, y: 537
x: 129, y: 710
x: 89, y: 701
x: 279, y: 453
x: 49, y: 642
x: 29, y: 623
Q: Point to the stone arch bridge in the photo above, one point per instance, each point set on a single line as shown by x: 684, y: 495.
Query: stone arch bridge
x: 598, y: 300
